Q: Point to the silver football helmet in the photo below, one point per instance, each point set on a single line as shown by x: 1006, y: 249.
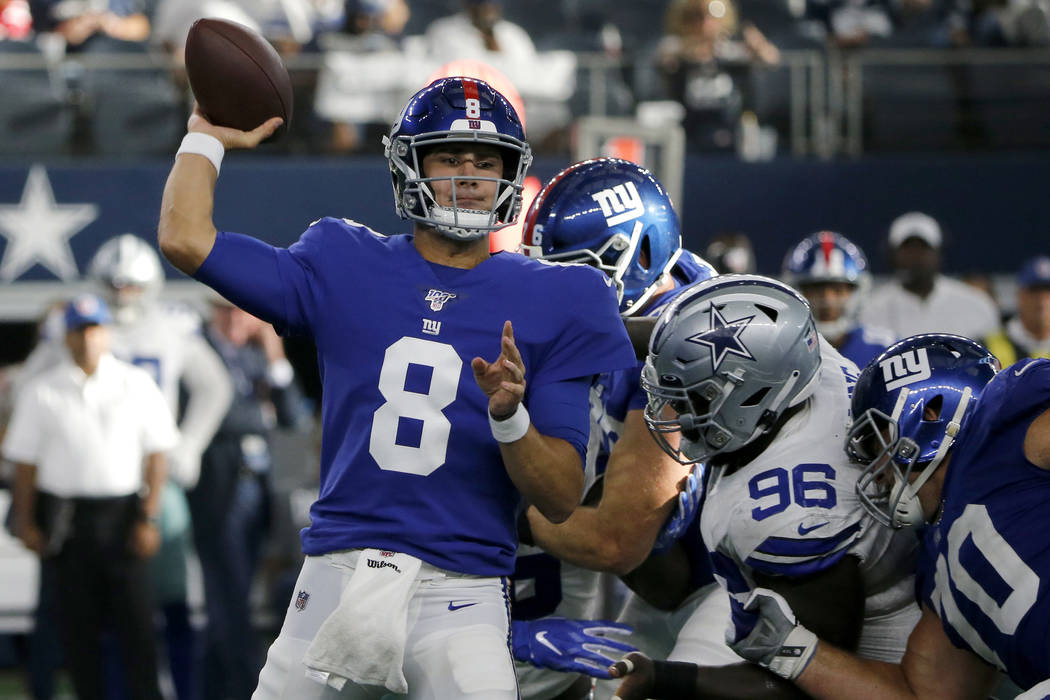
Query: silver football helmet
x: 127, y: 270
x: 725, y: 360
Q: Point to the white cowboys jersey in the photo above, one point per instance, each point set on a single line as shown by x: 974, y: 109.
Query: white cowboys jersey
x: 793, y: 511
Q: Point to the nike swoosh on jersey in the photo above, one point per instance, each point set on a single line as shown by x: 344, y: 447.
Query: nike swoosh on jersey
x: 453, y: 607
x: 541, y: 637
x: 803, y: 530
x: 1019, y: 372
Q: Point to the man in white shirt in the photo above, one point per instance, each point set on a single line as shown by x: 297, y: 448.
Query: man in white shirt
x: 479, y: 32
x: 920, y: 299
x: 88, y: 438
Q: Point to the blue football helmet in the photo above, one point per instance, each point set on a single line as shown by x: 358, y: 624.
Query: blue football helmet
x: 909, y: 406
x: 614, y: 215
x: 463, y: 110
x: 829, y: 257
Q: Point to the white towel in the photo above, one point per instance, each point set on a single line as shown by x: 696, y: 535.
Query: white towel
x: 363, y: 640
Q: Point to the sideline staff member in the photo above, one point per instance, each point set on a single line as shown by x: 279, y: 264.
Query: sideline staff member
x: 79, y: 437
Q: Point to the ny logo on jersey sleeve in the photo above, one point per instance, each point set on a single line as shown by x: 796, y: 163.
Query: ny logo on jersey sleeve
x: 620, y: 203
x: 906, y: 368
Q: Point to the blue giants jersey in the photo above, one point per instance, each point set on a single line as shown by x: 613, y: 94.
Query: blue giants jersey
x: 408, y: 461
x: 985, y: 565
x: 862, y: 345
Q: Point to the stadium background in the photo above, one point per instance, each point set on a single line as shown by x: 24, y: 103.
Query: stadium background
x: 862, y: 135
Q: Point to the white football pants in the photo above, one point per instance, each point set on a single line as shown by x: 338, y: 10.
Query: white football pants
x: 457, y: 645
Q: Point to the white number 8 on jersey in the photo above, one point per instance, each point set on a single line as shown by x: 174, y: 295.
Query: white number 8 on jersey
x: 400, y: 403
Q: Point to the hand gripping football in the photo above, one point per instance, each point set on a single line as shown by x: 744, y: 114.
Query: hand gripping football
x: 236, y: 76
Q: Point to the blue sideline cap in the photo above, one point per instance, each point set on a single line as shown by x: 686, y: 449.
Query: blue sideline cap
x: 1035, y: 273
x: 86, y: 310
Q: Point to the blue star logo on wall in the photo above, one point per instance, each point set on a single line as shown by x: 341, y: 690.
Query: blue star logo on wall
x: 723, y: 338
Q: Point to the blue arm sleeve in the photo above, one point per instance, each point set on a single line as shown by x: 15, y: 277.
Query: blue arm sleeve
x: 268, y: 282
x: 562, y: 410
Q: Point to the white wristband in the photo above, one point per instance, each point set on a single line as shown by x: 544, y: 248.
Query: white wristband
x: 203, y: 145
x: 512, y: 428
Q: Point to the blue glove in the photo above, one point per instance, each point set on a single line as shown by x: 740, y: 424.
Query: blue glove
x: 684, y: 511
x: 572, y: 646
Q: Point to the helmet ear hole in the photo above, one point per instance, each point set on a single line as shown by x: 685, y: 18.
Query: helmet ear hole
x: 755, y: 398
x: 932, y: 410
x: 644, y: 253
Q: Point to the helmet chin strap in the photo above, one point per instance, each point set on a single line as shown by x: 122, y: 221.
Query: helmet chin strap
x: 908, y: 510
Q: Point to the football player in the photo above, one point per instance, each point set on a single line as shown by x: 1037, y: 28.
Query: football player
x: 428, y: 448
x: 971, y: 476
x: 832, y: 273
x: 739, y: 378
x: 614, y: 215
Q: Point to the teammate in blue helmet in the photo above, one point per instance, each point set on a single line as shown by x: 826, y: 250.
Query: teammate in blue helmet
x: 458, y: 115
x: 908, y: 407
x: 613, y: 214
x: 977, y: 471
x: 832, y: 273
x: 428, y: 456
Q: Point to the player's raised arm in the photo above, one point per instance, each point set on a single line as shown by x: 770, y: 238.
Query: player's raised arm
x: 546, y: 470
x: 185, y: 231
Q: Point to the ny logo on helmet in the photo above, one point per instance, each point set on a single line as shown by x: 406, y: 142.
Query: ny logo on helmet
x: 620, y: 203
x: 906, y: 368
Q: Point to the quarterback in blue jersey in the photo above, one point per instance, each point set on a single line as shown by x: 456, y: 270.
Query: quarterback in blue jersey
x: 832, y: 273
x: 614, y: 215
x: 428, y: 450
x: 978, y: 472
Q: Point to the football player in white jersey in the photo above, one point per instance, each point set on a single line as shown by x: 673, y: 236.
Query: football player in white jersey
x: 739, y: 378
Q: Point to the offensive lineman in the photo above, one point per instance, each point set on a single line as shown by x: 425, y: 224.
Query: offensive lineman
x: 614, y: 215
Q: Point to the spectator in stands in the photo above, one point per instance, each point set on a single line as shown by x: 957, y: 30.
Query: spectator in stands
x: 88, y: 439
x: 371, y: 37
x: 704, y: 58
x: 479, y: 31
x: 172, y: 20
x: 731, y: 253
x: 120, y: 25
x: 921, y: 299
x: 231, y: 503
x: 997, y: 23
x: 1028, y: 333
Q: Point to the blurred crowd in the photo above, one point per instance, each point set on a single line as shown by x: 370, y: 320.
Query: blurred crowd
x: 354, y: 61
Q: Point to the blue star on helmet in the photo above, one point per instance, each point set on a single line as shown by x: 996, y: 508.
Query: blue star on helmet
x: 723, y: 338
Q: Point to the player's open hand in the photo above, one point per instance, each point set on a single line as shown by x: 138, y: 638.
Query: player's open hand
x: 232, y: 138
x: 637, y: 671
x: 503, y: 380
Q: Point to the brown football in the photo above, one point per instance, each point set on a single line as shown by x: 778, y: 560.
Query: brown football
x: 236, y: 76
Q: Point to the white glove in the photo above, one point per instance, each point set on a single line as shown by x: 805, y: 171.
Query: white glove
x: 773, y: 639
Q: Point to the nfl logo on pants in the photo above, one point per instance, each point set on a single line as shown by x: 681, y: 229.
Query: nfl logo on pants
x: 301, y: 600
